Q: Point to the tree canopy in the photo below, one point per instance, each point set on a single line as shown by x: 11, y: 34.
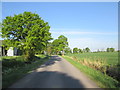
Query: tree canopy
x: 110, y: 49
x: 80, y: 51
x: 26, y: 31
x: 75, y: 50
x: 68, y: 50
x: 60, y: 44
x: 87, y: 49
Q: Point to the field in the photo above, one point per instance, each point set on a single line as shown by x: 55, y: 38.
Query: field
x: 109, y: 58
x: 100, y: 67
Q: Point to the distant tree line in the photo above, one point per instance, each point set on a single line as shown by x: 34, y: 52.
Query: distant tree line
x: 86, y: 50
x: 110, y: 49
x: 77, y: 50
x: 60, y: 46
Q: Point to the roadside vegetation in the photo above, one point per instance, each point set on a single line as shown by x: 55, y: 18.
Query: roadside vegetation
x: 14, y: 68
x: 102, y: 67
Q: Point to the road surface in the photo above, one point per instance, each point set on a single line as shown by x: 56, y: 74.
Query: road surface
x: 56, y: 73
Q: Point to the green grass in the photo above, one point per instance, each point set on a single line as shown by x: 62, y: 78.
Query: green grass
x: 14, y: 74
x: 110, y: 58
x: 101, y: 80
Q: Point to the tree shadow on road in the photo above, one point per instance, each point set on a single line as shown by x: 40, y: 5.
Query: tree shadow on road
x: 51, y: 61
x: 48, y: 79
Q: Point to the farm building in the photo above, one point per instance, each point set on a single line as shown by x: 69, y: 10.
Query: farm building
x: 10, y: 52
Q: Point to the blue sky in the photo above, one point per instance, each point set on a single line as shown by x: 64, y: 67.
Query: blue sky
x: 85, y: 24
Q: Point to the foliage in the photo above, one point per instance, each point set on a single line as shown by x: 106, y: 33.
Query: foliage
x: 56, y: 46
x: 11, y: 63
x: 75, y: 50
x: 26, y: 31
x: 80, y: 51
x: 68, y: 50
x: 60, y: 44
x: 87, y: 49
x: 110, y: 49
x: 49, y: 48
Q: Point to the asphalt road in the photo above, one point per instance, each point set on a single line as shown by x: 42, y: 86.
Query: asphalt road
x: 56, y: 73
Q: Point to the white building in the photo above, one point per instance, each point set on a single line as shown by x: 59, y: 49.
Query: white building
x: 12, y: 51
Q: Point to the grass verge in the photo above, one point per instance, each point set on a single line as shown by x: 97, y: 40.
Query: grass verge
x: 15, y: 74
x: 101, y: 80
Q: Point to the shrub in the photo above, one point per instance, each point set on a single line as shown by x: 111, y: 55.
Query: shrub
x: 11, y: 63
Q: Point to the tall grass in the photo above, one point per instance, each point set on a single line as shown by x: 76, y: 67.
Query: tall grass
x: 110, y: 58
x: 96, y: 64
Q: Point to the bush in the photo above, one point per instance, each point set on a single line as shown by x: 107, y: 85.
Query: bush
x: 11, y: 63
x: 113, y: 71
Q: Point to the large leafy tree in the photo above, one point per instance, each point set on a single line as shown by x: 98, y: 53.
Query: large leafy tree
x: 75, y: 50
x: 60, y: 44
x: 26, y: 31
x: 55, y: 46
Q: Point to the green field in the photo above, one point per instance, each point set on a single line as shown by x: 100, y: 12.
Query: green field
x: 101, y: 67
x: 110, y: 58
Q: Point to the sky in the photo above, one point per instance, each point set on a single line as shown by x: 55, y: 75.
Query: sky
x: 60, y: 0
x: 85, y: 24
